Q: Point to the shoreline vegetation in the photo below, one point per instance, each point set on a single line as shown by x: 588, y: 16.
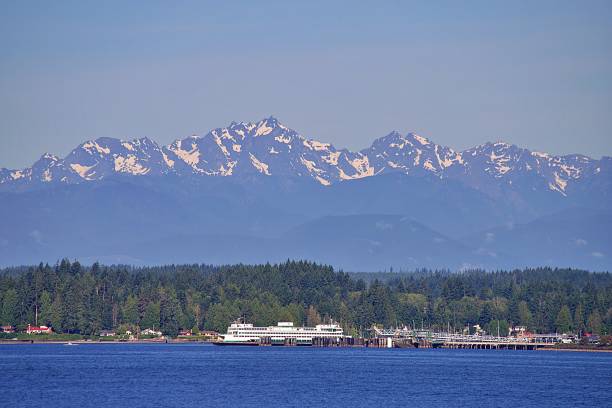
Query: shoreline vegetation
x: 81, y: 302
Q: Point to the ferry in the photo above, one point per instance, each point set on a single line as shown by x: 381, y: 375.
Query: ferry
x: 245, y: 334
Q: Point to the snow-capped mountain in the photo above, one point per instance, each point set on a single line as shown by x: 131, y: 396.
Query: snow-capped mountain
x: 268, y: 148
x: 506, y: 165
x: 410, y: 154
x: 405, y: 201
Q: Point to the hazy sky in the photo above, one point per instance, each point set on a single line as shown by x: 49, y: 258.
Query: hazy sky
x: 534, y: 73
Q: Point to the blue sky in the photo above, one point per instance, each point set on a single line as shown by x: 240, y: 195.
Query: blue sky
x: 534, y: 73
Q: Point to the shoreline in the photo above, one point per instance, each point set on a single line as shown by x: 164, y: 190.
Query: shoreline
x: 175, y: 341
x: 79, y: 342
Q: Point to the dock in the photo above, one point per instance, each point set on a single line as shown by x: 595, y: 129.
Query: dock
x: 429, y: 339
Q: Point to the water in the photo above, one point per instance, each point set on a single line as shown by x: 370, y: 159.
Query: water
x: 146, y: 375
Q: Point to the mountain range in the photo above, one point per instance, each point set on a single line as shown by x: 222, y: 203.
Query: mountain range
x: 260, y: 191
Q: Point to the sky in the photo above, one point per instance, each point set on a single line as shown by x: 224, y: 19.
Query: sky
x: 533, y: 73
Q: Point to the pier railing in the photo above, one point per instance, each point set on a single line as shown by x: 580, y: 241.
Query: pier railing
x: 403, y: 337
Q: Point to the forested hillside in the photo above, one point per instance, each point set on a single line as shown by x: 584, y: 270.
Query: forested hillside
x: 76, y: 299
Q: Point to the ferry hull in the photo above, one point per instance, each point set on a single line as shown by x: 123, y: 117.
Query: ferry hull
x: 235, y: 343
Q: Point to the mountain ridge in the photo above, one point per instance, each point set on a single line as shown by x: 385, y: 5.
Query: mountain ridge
x: 269, y: 148
x: 259, y: 191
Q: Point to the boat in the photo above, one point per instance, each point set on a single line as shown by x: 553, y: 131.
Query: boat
x: 71, y: 344
x: 240, y: 333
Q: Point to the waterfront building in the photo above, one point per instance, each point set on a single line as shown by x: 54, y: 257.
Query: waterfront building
x: 151, y: 332
x: 38, y: 330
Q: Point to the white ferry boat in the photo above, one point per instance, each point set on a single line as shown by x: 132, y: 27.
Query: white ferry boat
x: 239, y: 333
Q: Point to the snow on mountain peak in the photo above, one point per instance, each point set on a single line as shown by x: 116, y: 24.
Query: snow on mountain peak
x: 268, y: 148
x: 49, y: 157
x: 423, y: 141
x: 91, y: 146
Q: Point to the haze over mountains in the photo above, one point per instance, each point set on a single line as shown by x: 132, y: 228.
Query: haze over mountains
x: 256, y: 192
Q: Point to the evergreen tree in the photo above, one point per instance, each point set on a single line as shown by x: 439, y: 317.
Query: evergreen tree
x: 56, y: 314
x: 525, y: 317
x: 579, y: 318
x: 44, y: 312
x: 498, y: 326
x: 9, y: 307
x: 169, y: 312
x: 220, y: 315
x: 151, y: 319
x: 594, y: 323
x: 563, y: 323
x: 130, y: 311
x: 312, y: 316
x: 80, y: 299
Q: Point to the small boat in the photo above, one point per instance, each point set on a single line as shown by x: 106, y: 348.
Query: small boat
x: 71, y: 344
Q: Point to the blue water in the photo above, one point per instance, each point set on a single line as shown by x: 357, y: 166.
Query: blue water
x: 137, y: 375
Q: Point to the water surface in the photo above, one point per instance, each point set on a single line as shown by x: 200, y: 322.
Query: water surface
x: 169, y: 375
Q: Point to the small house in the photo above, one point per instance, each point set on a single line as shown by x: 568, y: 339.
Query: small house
x: 107, y: 333
x: 210, y: 334
x: 151, y: 332
x: 7, y: 329
x: 38, y: 330
x: 518, y: 331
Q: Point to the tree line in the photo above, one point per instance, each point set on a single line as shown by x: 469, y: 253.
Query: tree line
x: 73, y: 298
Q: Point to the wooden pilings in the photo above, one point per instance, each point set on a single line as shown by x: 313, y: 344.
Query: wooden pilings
x: 337, y: 342
x: 491, y: 346
x: 388, y: 342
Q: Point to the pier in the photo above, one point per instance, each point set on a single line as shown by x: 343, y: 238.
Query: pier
x: 428, y: 339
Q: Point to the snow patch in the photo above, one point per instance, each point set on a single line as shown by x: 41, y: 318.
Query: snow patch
x: 81, y: 170
x: 361, y: 165
x: 429, y: 166
x: 332, y: 158
x: 310, y: 165
x: 46, y: 176
x: 283, y: 139
x: 323, y: 181
x: 221, y: 145
x: 168, y: 161
x: 540, y: 155
x: 94, y: 145
x: 421, y: 140
x: 227, y: 171
x: 16, y: 175
x: 315, y: 145
x: 445, y: 162
x: 560, y: 182
x: 417, y: 158
x: 130, y: 165
x: 503, y: 169
x: 191, y: 157
x: 263, y: 130
x: 262, y: 167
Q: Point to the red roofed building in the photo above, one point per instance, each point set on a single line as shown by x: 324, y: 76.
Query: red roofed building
x: 38, y: 330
